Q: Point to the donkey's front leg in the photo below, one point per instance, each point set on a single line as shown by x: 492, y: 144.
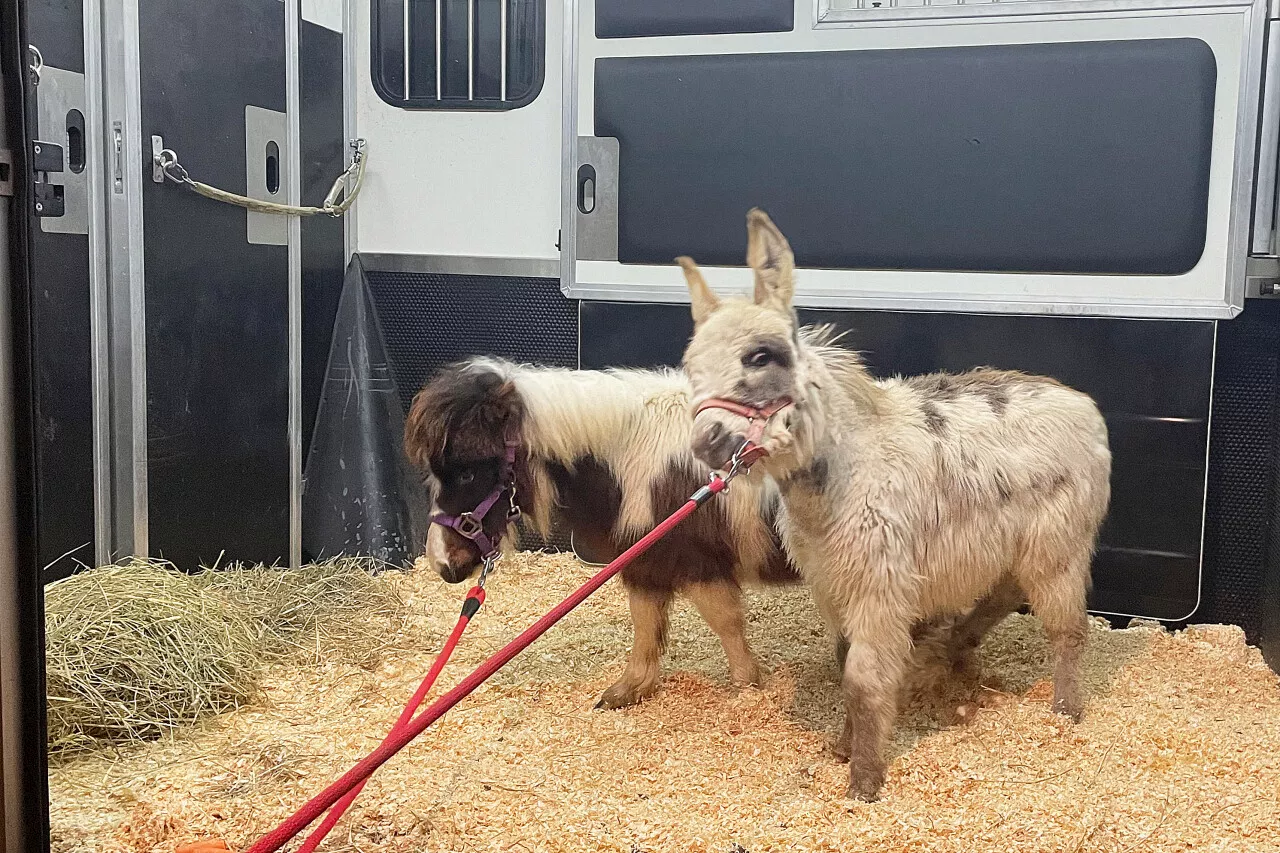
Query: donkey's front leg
x: 873, y: 670
x: 720, y: 603
x: 649, y: 620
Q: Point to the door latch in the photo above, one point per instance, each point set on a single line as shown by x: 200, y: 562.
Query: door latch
x: 46, y: 159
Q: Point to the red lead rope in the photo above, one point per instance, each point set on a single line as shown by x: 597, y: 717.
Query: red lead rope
x: 349, y: 785
x: 470, y: 605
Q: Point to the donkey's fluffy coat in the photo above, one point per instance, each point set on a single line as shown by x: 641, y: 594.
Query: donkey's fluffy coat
x: 905, y: 498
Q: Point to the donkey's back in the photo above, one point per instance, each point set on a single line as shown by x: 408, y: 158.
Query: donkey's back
x: 1010, y: 475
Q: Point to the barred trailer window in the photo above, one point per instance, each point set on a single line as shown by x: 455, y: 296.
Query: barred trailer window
x: 458, y: 54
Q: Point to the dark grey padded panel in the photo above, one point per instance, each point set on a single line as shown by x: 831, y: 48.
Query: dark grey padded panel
x: 1088, y: 157
x: 1150, y: 378
x: 628, y: 18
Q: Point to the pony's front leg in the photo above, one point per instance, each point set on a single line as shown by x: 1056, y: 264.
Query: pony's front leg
x: 720, y: 603
x: 879, y: 646
x: 639, y: 680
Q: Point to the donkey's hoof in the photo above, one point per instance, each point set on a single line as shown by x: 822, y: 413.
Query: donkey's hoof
x: 840, y: 749
x: 622, y: 695
x: 753, y: 677
x: 865, y: 784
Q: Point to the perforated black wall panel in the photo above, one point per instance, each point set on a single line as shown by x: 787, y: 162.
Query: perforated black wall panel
x: 430, y: 320
x: 1242, y: 526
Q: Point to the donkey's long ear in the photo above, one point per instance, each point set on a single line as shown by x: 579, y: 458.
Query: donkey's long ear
x: 703, y: 300
x: 769, y: 255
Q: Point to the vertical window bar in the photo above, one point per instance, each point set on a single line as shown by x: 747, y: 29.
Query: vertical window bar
x: 439, y: 49
x: 502, y: 40
x: 471, y: 50
x: 407, y: 4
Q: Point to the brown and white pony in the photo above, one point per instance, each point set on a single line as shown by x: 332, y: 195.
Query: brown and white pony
x: 610, y: 452
x: 905, y: 498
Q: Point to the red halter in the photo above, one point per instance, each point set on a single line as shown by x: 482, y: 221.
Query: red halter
x: 757, y: 419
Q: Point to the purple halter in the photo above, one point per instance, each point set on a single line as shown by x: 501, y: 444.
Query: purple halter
x: 470, y: 525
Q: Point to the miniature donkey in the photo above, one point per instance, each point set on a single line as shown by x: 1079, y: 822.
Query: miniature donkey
x: 609, y: 452
x: 902, y: 499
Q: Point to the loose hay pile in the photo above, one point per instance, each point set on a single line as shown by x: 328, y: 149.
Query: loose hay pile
x: 1179, y: 750
x: 138, y: 649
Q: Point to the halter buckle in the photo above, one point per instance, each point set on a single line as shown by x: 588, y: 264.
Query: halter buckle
x: 468, y: 525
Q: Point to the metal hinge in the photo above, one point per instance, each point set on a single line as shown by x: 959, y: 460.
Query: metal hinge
x: 6, y: 173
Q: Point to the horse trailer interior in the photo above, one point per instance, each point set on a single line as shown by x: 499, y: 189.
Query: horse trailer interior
x: 1085, y: 189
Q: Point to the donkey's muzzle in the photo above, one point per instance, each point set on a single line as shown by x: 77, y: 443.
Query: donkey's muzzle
x: 714, y: 444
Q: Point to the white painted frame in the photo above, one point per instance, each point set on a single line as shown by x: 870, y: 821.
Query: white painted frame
x: 1213, y: 289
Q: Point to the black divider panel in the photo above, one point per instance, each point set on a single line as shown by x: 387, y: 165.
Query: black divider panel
x: 56, y: 28
x: 61, y: 354
x: 1151, y: 379
x: 627, y: 18
x: 323, y: 158
x: 216, y: 305
x: 1090, y: 157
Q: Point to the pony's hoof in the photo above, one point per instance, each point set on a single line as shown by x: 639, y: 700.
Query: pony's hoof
x: 622, y: 696
x: 865, y: 784
x: 1071, y: 709
x: 853, y: 792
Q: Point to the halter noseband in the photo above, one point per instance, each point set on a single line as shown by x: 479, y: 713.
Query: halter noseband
x: 470, y: 525
x: 757, y: 420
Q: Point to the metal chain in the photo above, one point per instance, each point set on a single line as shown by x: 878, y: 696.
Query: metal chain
x: 352, y: 177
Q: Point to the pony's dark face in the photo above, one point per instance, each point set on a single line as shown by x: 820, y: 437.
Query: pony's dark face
x: 456, y: 434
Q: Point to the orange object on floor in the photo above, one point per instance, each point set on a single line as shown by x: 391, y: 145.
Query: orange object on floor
x: 205, y: 845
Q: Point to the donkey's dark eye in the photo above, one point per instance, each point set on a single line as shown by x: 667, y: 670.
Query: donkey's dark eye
x: 760, y: 357
x: 466, y: 477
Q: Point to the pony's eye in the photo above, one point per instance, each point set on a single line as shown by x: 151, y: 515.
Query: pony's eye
x: 466, y: 477
x: 761, y: 357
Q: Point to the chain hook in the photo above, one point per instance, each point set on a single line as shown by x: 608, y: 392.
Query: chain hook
x: 37, y: 64
x: 167, y: 160
x: 487, y: 567
x: 736, y: 464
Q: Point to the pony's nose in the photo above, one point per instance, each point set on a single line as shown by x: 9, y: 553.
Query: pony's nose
x: 453, y: 574
x: 714, y: 445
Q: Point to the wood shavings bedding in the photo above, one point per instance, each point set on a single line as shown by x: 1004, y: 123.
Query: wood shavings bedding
x: 1179, y: 748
